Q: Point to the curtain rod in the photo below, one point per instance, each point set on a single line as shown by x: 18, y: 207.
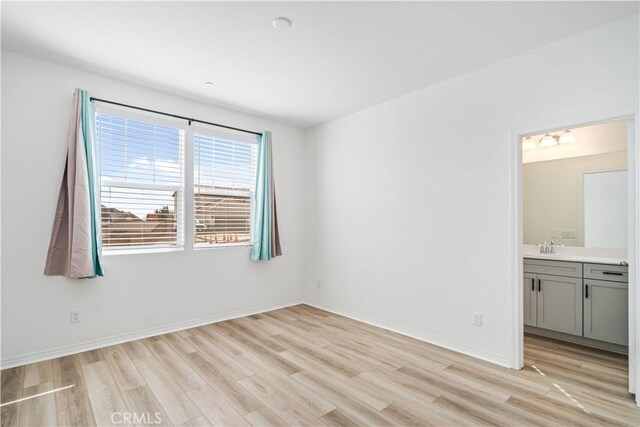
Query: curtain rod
x: 190, y: 120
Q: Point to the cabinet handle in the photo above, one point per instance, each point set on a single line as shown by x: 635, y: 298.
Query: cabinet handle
x: 533, y: 284
x: 586, y: 291
x: 612, y: 273
x: 539, y: 285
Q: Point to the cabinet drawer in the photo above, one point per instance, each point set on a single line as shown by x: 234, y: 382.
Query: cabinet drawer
x: 613, y: 273
x: 554, y: 268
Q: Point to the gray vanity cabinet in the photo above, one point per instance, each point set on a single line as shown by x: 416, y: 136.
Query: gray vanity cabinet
x: 553, y: 295
x: 606, y: 311
x: 530, y: 293
x: 582, y: 299
x: 560, y: 304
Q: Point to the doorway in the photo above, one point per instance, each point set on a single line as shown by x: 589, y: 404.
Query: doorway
x: 570, y: 232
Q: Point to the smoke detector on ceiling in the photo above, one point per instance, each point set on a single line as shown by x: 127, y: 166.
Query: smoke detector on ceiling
x: 282, y: 23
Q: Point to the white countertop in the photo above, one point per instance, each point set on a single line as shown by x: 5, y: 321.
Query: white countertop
x: 576, y: 254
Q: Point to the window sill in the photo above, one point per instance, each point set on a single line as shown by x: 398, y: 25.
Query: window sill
x: 222, y: 246
x: 143, y: 251
x: 139, y: 251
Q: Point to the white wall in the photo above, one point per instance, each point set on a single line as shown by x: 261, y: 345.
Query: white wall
x: 553, y: 198
x: 139, y: 293
x: 411, y: 198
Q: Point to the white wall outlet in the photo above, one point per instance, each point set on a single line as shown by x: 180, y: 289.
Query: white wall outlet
x: 477, y: 319
x: 318, y: 284
x: 74, y: 316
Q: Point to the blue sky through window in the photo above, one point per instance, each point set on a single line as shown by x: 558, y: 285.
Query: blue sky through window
x: 223, y: 163
x: 133, y: 151
x: 141, y: 164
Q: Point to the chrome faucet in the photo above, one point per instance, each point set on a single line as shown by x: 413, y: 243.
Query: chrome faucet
x: 548, y: 248
x: 543, y: 247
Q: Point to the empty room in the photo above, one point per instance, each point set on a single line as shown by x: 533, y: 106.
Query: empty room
x: 320, y: 213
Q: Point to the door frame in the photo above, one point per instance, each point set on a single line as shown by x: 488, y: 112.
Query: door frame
x: 516, y: 228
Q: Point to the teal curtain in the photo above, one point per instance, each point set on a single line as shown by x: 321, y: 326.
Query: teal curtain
x: 266, y: 236
x: 89, y: 138
x: 75, y: 247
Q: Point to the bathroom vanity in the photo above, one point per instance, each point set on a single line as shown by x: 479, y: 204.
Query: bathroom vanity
x: 577, y: 298
x: 576, y: 238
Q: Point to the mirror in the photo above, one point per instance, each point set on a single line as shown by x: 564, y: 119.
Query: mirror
x: 605, y: 209
x: 575, y: 193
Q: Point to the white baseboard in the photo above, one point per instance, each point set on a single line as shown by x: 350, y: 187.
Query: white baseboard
x: 39, y: 356
x: 431, y: 339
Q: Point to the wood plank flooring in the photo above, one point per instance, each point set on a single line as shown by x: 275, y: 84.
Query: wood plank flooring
x: 305, y: 367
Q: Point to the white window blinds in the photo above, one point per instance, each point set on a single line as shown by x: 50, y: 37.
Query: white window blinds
x: 224, y: 187
x: 142, y: 179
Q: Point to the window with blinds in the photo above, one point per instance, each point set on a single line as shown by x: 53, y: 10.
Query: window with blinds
x: 224, y: 187
x: 142, y: 176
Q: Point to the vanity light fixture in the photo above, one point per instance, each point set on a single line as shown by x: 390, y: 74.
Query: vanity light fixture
x: 529, y: 144
x: 567, y: 137
x: 548, y: 141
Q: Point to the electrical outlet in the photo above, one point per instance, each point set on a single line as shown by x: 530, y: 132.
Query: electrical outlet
x: 477, y: 319
x: 74, y: 316
x: 318, y: 284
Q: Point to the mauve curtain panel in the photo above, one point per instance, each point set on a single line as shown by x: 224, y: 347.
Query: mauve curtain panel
x: 75, y: 247
x: 266, y: 244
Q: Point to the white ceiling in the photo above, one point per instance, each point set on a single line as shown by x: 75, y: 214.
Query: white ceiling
x: 337, y: 58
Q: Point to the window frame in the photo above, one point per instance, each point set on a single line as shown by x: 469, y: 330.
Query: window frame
x: 203, y: 129
x: 185, y: 223
x: 129, y: 114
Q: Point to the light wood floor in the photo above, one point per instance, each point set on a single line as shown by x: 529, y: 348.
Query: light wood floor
x: 303, y: 366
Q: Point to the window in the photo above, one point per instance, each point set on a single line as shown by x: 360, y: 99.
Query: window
x: 143, y: 171
x: 142, y: 180
x: 224, y: 187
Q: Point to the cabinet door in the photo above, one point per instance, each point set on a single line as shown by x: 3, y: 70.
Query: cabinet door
x: 606, y: 311
x: 530, y: 296
x: 560, y: 304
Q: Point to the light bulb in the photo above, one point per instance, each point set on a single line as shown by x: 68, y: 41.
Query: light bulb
x: 548, y: 141
x: 529, y: 144
x: 567, y: 137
